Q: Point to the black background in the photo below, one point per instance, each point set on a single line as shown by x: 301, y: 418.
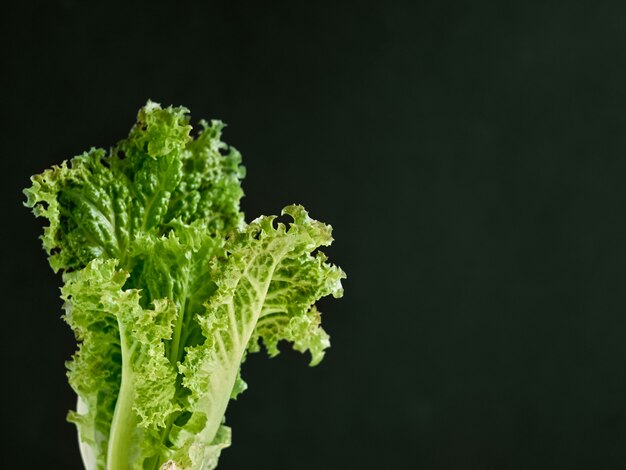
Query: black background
x: 471, y: 157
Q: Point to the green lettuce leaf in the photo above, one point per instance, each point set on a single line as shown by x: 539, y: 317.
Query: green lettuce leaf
x: 168, y: 289
x: 99, y: 202
x: 266, y: 287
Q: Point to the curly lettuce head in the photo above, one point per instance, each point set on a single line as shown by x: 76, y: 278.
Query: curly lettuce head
x: 167, y: 288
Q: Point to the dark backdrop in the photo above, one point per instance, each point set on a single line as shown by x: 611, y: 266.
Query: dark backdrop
x: 471, y: 157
